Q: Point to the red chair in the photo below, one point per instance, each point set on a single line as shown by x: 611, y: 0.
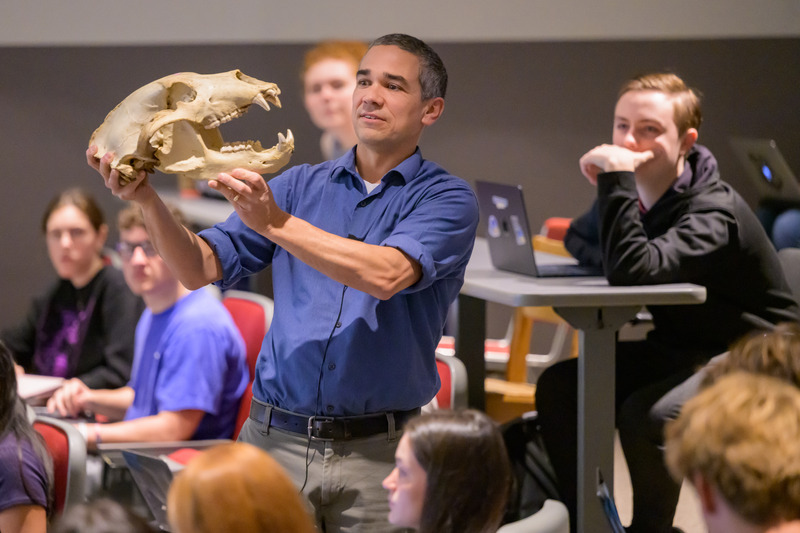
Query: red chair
x: 68, y: 450
x: 453, y: 375
x: 252, y: 314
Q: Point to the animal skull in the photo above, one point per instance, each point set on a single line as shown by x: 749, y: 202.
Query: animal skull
x: 171, y: 125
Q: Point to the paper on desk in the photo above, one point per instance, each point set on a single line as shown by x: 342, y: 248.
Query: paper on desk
x: 32, y: 386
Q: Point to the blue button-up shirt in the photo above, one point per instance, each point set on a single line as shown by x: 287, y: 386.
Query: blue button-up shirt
x: 333, y: 350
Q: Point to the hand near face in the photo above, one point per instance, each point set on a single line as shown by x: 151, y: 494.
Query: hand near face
x: 133, y: 191
x: 611, y: 158
x: 251, y: 197
x: 71, y: 399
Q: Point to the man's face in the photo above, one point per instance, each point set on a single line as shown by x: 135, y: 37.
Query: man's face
x: 406, y: 485
x: 329, y: 88
x: 645, y: 120
x: 388, y: 110
x: 145, y: 271
x: 72, y: 242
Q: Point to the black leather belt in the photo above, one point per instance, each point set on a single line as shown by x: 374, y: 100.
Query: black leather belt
x: 328, y: 427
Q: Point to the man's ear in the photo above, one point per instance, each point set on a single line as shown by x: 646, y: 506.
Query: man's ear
x: 433, y: 110
x: 689, y: 138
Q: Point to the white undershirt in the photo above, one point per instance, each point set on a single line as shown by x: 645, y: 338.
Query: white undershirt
x: 370, y: 186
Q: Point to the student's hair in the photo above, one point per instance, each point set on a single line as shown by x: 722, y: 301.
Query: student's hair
x: 236, y: 487
x: 467, y: 467
x: 131, y: 217
x: 775, y: 353
x: 349, y: 51
x: 14, y: 420
x: 432, y: 74
x: 686, y: 101
x: 80, y: 199
x: 101, y: 516
x: 741, y: 435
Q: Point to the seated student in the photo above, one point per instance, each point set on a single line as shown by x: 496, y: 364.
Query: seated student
x: 452, y: 474
x: 102, y: 515
x: 189, y: 370
x: 329, y: 78
x: 234, y: 488
x: 736, y: 441
x: 662, y: 215
x: 26, y: 470
x: 83, y: 326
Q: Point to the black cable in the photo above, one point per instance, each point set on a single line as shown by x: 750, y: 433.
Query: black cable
x: 319, y: 382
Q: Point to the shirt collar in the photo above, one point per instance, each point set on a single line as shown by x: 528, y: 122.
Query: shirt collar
x: 408, y: 169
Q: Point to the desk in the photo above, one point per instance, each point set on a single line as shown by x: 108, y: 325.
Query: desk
x: 597, y: 311
x: 201, y: 211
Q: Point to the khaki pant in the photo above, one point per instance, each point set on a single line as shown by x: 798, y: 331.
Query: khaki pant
x: 342, y: 481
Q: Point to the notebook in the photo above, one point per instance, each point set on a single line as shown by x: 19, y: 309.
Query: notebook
x: 152, y: 476
x: 508, y: 233
x: 767, y: 170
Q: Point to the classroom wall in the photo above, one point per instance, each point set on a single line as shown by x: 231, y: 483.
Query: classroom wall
x: 517, y: 111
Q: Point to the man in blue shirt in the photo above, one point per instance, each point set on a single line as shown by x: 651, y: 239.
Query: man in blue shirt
x: 368, y: 251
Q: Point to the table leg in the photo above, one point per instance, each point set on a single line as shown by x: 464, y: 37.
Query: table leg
x: 596, y: 383
x: 470, y: 337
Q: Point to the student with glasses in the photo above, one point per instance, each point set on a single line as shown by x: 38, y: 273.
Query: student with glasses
x: 189, y: 368
x: 82, y: 326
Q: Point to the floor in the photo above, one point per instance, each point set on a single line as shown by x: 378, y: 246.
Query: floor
x: 687, y: 517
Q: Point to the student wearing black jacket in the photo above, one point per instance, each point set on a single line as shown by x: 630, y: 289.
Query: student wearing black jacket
x: 662, y: 215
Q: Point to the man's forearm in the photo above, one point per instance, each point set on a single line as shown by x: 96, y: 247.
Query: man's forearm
x: 380, y: 271
x: 166, y: 426
x: 112, y: 403
x: 189, y: 257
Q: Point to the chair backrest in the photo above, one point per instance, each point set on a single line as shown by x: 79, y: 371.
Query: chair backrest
x: 68, y: 450
x: 252, y: 314
x: 453, y: 375
x: 552, y: 518
x: 790, y: 261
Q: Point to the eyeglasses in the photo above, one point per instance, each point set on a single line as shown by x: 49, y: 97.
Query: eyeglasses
x: 126, y: 249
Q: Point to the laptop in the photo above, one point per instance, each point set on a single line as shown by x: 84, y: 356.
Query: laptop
x: 508, y: 233
x: 152, y: 476
x: 767, y: 170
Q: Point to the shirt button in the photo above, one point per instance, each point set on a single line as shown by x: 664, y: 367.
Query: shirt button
x: 338, y: 324
x: 156, y: 356
x: 329, y: 408
x: 332, y: 366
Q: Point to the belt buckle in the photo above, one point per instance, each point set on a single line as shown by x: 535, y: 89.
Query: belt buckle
x: 320, y: 428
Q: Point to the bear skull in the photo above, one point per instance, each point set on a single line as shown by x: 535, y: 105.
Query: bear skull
x: 171, y: 125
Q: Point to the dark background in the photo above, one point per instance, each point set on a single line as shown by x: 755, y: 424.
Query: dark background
x: 519, y: 112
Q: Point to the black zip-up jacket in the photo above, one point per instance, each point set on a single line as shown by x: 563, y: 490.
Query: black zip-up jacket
x: 701, y: 231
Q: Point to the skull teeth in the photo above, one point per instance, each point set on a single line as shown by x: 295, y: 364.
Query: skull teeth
x: 240, y: 146
x: 284, y: 141
x: 227, y: 118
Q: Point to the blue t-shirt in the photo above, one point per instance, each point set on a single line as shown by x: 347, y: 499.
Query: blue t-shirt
x: 15, y: 476
x: 190, y: 356
x: 365, y: 355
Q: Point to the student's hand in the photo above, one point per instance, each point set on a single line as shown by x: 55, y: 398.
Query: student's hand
x: 131, y: 192
x: 18, y: 370
x: 71, y: 399
x: 251, y: 197
x: 611, y: 158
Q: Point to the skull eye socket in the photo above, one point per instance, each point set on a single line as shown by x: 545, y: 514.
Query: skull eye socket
x: 179, y: 92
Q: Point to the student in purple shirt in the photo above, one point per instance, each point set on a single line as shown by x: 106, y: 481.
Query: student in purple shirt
x: 82, y: 326
x: 189, y: 370
x: 367, y: 253
x: 26, y: 470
